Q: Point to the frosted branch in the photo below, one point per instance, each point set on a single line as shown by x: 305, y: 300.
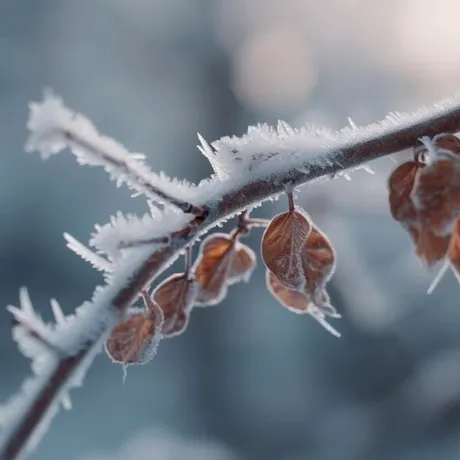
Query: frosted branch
x: 54, y: 127
x: 249, y: 170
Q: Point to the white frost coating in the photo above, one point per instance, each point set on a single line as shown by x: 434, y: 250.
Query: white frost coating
x: 233, y: 277
x: 54, y: 127
x: 266, y: 149
x: 123, y: 229
x: 90, y: 324
x: 97, y: 261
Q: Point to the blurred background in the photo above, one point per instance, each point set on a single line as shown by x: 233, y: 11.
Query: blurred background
x: 248, y: 380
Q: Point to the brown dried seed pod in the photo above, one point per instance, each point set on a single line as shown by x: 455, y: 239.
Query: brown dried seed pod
x: 175, y: 296
x: 212, y: 268
x: 135, y: 340
x: 243, y: 264
x: 282, y: 246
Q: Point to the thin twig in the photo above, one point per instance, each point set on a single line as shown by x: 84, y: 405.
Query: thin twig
x: 139, y: 178
x: 291, y: 201
x: 147, y: 241
x: 231, y: 203
x: 256, y: 222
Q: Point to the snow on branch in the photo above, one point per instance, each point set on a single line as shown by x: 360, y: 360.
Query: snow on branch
x: 249, y: 170
x: 54, y: 127
x: 266, y: 149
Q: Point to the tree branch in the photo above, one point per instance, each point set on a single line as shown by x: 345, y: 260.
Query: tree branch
x: 390, y: 139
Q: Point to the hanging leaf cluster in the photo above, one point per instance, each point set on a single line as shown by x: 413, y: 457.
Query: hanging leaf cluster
x: 222, y: 261
x: 300, y: 261
x: 424, y: 197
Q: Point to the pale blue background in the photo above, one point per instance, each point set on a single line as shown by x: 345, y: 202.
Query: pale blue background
x: 247, y: 375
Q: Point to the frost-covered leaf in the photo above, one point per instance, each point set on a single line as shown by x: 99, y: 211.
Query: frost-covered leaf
x: 135, y: 340
x: 212, y: 268
x: 293, y: 300
x: 319, y: 261
x: 297, y: 302
x: 423, y: 198
x: 282, y: 246
x: 175, y: 296
x: 243, y: 264
x: 400, y: 185
x: 436, y: 195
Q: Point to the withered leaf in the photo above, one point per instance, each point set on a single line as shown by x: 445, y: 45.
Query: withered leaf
x: 430, y: 247
x: 175, y: 296
x: 436, y: 195
x: 243, y: 264
x: 212, y: 268
x: 400, y: 185
x: 135, y: 340
x: 293, y: 300
x: 319, y: 262
x: 297, y: 302
x: 448, y: 142
x: 282, y: 246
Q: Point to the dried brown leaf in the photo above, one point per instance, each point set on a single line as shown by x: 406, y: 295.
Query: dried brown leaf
x: 319, y: 262
x: 212, y: 268
x: 298, y: 303
x: 293, y: 300
x: 282, y: 246
x: 448, y: 142
x: 430, y: 247
x: 243, y: 264
x: 135, y: 340
x: 175, y: 296
x: 436, y: 195
x: 400, y: 185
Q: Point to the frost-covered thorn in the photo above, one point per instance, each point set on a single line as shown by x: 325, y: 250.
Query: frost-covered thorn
x: 66, y: 401
x: 352, y: 124
x: 36, y: 334
x: 96, y: 260
x: 368, y: 169
x: 59, y: 316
